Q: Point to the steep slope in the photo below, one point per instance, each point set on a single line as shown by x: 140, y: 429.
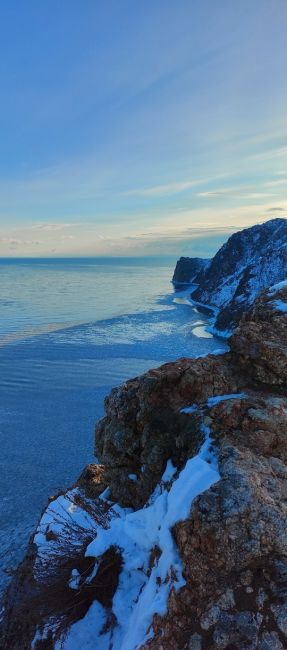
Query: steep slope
x: 198, y: 449
x: 188, y: 268
x: 249, y: 261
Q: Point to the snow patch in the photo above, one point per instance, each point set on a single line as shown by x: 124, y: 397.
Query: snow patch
x: 202, y: 333
x: 212, y: 401
x: 143, y: 591
x: 281, y: 306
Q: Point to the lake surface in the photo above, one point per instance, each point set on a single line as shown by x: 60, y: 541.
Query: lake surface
x: 70, y: 330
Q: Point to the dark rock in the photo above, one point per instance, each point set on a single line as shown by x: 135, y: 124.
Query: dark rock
x: 188, y: 268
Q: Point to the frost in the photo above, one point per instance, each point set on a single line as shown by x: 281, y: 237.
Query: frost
x: 143, y: 589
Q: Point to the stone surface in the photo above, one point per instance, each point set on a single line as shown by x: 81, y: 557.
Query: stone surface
x: 144, y: 427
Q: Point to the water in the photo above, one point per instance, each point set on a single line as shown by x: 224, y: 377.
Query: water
x: 70, y: 330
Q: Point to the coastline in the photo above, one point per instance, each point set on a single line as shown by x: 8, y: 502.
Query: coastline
x: 64, y: 377
x: 232, y: 400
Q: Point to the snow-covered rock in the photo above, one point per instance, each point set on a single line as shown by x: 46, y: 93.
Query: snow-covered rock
x: 192, y: 554
x: 251, y: 260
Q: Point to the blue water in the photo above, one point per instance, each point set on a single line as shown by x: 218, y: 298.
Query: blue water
x: 70, y: 330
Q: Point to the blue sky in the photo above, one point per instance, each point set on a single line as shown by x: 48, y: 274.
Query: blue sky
x: 148, y: 127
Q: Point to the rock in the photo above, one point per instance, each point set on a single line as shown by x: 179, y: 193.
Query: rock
x: 93, y: 480
x: 144, y: 428
x: 188, y: 269
x: 195, y: 642
x: 280, y: 614
x: 260, y: 342
x: 233, y: 542
x: 271, y: 641
x: 251, y: 260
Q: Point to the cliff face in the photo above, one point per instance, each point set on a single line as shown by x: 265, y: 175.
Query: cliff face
x: 188, y: 268
x: 248, y: 262
x: 198, y: 449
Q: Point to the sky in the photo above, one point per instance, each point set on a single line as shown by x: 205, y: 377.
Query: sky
x: 134, y: 128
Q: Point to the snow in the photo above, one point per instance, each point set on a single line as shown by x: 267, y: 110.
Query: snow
x: 202, y: 333
x: 60, y: 514
x: 281, y: 306
x: 212, y: 401
x: 74, y: 582
x: 277, y: 287
x: 105, y: 494
x: 189, y: 409
x: 86, y: 633
x: 223, y: 334
x: 140, y: 595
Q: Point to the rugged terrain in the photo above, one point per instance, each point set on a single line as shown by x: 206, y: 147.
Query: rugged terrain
x: 197, y: 449
x: 248, y: 262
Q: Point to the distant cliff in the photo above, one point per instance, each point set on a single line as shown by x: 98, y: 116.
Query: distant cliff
x: 188, y: 269
x: 249, y: 261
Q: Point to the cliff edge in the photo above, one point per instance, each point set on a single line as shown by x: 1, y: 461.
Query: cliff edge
x: 178, y: 540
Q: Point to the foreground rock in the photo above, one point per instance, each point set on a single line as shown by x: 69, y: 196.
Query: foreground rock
x: 248, y: 262
x: 232, y: 542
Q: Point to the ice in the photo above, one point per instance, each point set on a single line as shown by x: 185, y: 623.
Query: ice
x: 202, y: 333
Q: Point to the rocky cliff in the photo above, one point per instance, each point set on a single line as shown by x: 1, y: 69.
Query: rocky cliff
x: 188, y: 269
x: 248, y: 262
x: 178, y: 540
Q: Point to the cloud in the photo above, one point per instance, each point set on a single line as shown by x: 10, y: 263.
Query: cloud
x: 275, y: 209
x: 234, y: 193
x: 168, y: 188
x: 172, y: 188
x: 276, y: 152
x: 277, y: 182
x: 19, y: 242
x: 54, y: 227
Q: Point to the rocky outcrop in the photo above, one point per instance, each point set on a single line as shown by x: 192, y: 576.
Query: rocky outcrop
x: 144, y: 426
x: 189, y: 268
x: 248, y: 262
x: 232, y: 543
x: 260, y: 344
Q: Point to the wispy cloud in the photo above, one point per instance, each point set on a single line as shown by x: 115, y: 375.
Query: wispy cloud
x: 54, y: 227
x: 167, y: 188
x: 234, y: 193
x: 277, y: 182
x: 276, y: 209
